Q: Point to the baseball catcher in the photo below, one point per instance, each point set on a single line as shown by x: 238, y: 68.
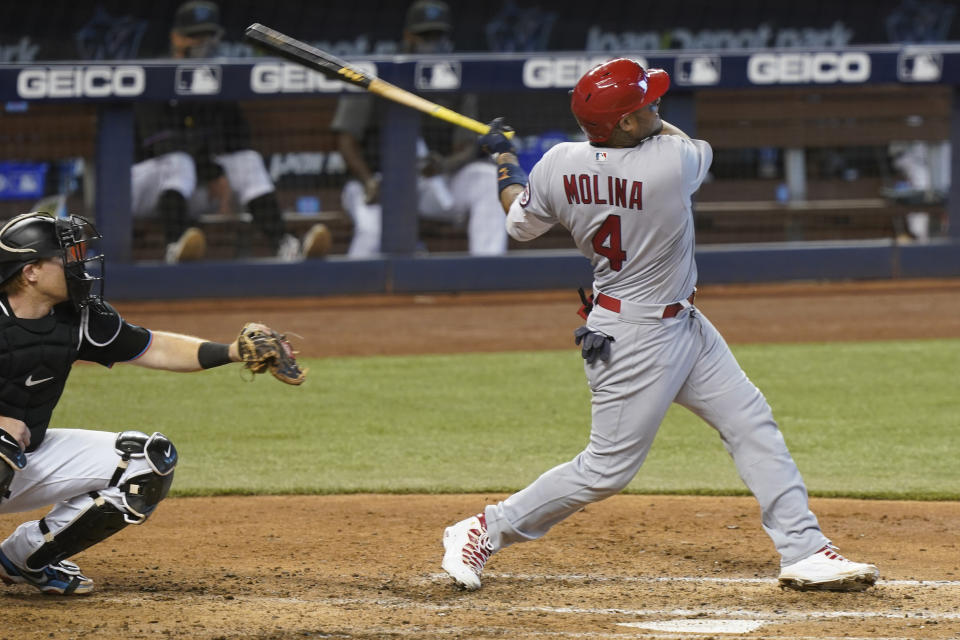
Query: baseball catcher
x: 52, y: 313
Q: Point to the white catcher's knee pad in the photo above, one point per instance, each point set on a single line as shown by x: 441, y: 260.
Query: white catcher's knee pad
x: 141, y: 491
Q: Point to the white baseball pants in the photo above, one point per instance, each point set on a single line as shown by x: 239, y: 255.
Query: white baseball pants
x: 653, y: 363
x: 67, y: 465
x: 176, y: 171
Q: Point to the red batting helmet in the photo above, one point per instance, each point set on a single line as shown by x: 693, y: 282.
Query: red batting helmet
x: 612, y: 90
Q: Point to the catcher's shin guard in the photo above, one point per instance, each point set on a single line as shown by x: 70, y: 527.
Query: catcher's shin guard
x: 140, y: 495
x: 96, y: 523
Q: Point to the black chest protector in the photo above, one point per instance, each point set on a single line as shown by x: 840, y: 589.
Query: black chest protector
x: 35, y: 359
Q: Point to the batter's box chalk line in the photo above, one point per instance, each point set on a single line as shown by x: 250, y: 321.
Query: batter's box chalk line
x: 585, y: 577
x: 479, y: 604
x: 698, y: 626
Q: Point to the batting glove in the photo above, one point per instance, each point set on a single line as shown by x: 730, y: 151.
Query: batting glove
x: 596, y: 345
x: 495, y: 141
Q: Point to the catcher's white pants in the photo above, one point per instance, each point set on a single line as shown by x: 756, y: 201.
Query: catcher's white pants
x: 654, y: 363
x: 470, y: 194
x: 64, y: 468
x: 176, y: 171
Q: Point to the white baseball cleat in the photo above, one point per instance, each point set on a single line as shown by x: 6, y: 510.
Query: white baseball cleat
x: 827, y: 570
x: 289, y: 249
x: 316, y: 244
x: 467, y: 548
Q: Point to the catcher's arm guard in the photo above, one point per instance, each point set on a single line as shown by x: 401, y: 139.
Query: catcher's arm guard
x: 263, y: 349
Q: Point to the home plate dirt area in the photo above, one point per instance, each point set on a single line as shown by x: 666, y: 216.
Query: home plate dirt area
x: 368, y: 566
x: 633, y: 566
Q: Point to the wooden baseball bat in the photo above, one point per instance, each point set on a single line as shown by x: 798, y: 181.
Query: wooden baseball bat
x: 333, y: 67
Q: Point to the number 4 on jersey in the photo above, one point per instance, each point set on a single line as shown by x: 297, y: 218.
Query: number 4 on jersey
x: 606, y: 242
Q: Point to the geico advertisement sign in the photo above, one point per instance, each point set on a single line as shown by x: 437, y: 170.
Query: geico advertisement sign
x: 824, y: 68
x: 80, y: 82
x: 279, y: 77
x: 548, y: 73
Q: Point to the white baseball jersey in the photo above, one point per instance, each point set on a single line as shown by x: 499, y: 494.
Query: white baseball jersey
x: 621, y: 207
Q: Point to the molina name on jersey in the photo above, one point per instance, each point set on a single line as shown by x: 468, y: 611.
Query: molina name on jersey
x: 586, y: 188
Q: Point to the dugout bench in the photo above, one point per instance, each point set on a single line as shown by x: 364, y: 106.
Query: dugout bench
x: 799, y: 121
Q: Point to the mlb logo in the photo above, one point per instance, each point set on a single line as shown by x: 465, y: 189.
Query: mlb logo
x: 437, y: 76
x: 601, y: 156
x: 201, y: 80
x: 698, y: 70
x: 22, y: 180
x: 920, y: 66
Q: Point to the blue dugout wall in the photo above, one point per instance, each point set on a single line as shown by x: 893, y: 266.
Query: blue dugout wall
x: 117, y: 85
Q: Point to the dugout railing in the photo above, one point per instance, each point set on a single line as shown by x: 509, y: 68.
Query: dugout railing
x: 797, y: 225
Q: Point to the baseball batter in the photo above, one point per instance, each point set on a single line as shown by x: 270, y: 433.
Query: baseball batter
x: 625, y: 198
x: 98, y: 482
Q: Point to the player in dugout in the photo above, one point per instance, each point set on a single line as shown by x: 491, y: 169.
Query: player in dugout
x: 454, y: 185
x: 195, y: 157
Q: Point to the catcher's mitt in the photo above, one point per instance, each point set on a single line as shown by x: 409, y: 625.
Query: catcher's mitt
x: 263, y: 349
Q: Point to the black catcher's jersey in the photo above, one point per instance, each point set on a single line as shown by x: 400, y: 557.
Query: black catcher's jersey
x: 36, y: 356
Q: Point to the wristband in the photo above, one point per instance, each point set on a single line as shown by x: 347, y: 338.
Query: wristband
x: 508, y: 174
x: 213, y: 354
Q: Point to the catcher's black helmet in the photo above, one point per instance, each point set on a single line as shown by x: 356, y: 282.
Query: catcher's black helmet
x: 34, y: 236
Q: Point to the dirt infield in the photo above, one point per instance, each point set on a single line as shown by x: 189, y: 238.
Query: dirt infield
x: 380, y: 325
x: 367, y: 566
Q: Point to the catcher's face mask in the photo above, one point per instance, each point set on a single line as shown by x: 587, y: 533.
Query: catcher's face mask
x: 83, y: 264
x: 35, y: 236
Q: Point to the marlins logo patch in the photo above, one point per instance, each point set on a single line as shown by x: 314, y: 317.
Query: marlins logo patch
x: 600, y: 156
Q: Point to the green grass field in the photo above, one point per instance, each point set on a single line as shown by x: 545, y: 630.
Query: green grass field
x: 869, y: 419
